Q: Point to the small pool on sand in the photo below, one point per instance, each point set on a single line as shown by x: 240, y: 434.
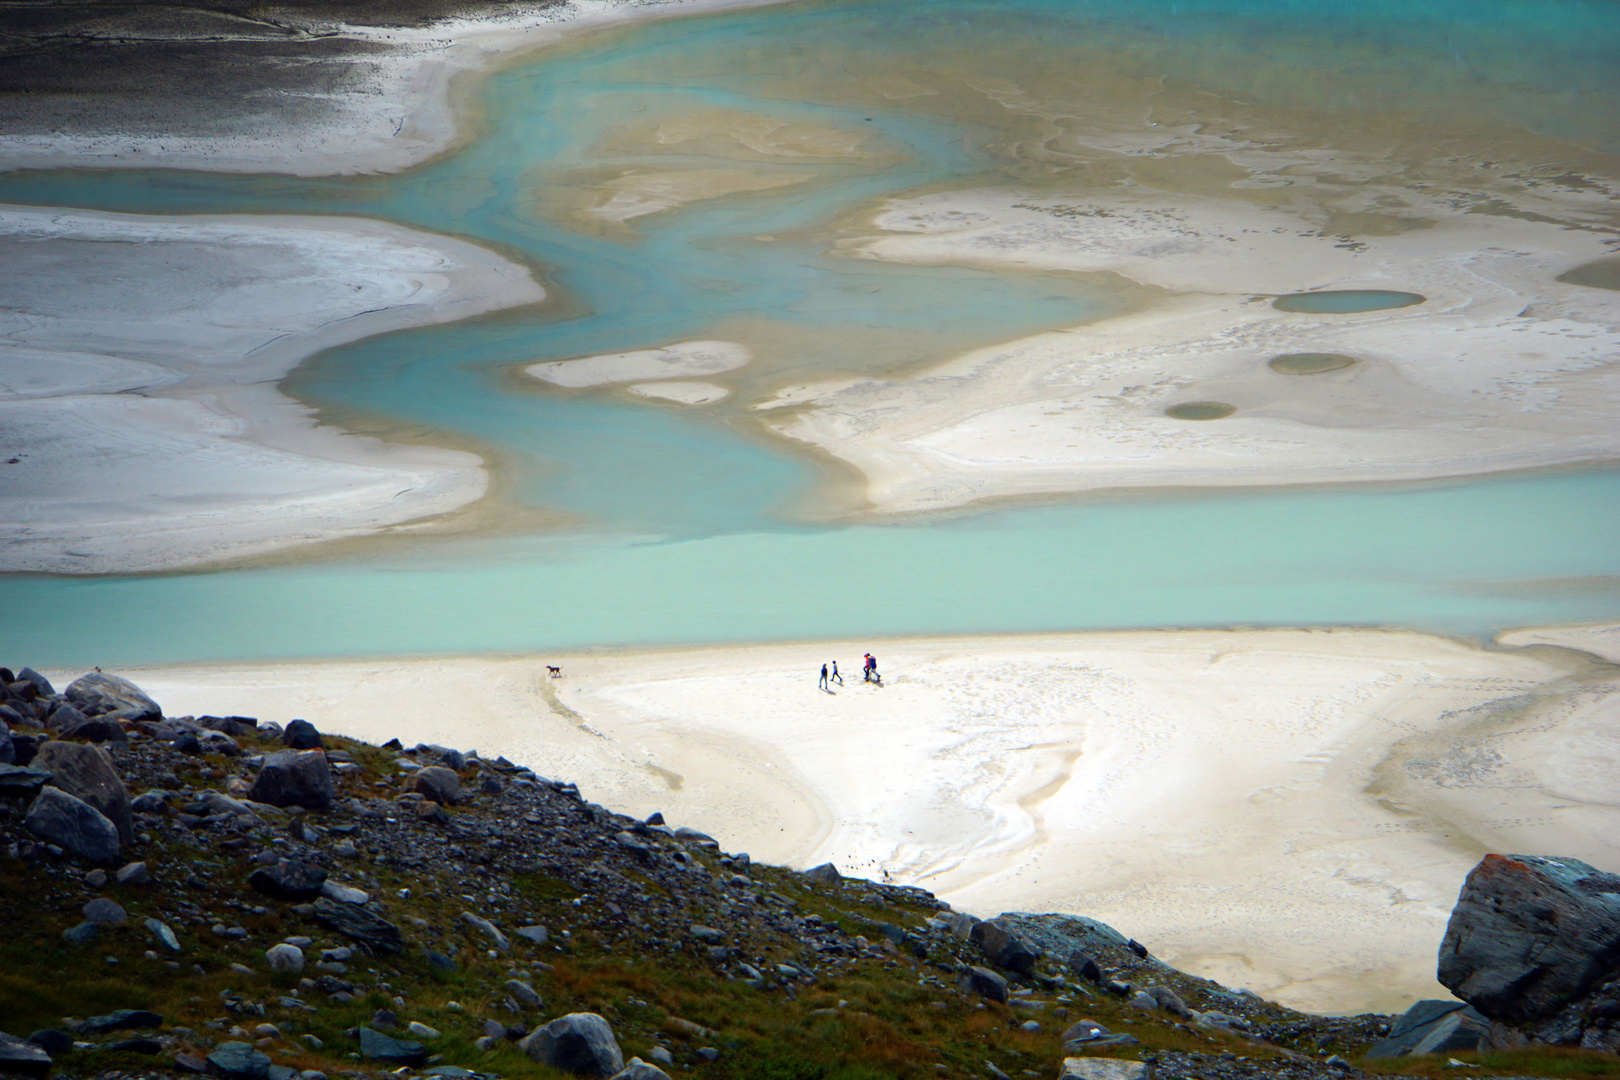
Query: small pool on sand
x: 1311, y: 363
x: 1599, y: 274
x: 1201, y: 410
x: 1346, y: 301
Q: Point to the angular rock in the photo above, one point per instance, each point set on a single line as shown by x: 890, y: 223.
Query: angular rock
x: 580, y: 1043
x: 1530, y: 935
x: 379, y: 1047
x: 289, y: 879
x: 343, y: 894
x: 1003, y: 948
x: 636, y: 1069
x: 214, y: 742
x: 98, y: 693
x: 422, y: 1031
x: 488, y: 929
x: 107, y: 912
x: 1077, y: 1068
x: 359, y: 924
x: 539, y: 935
x: 87, y: 772
x: 523, y: 993
x: 1433, y: 1027
x: 1085, y: 965
x: 95, y: 730
x: 285, y: 957
x: 20, y: 1056
x: 301, y: 735
x: 133, y: 874
x: 134, y: 1046
x: 122, y: 1020
x: 984, y: 982
x: 164, y: 935
x: 42, y: 686
x: 17, y: 782
x: 63, y: 715
x: 825, y: 874
x: 52, y: 1040
x: 237, y: 727
x: 437, y: 783
x: 294, y: 778
x: 73, y: 825
x: 8, y: 752
x: 238, y: 1061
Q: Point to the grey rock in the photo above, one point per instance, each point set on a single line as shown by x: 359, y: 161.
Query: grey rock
x: 636, y: 1069
x: 74, y: 825
x: 281, y: 1072
x: 236, y: 727
x: 580, y: 1043
x: 488, y: 929
x: 1168, y: 1000
x: 708, y: 934
x: 1030, y: 1026
x: 238, y: 1061
x: 495, y: 1029
x: 289, y: 879
x: 961, y: 925
x: 20, y: 1056
x: 1076, y: 1068
x: 422, y: 1031
x: 984, y: 982
x: 1085, y: 1031
x: 122, y: 1020
x: 1085, y: 965
x: 1140, y: 1000
x: 994, y: 1073
x: 294, y: 778
x: 42, y: 685
x: 95, y: 879
x: 63, y: 715
x: 1433, y: 1027
x: 1059, y: 935
x: 98, y: 693
x: 1004, y: 948
x: 631, y: 843
x: 18, y: 782
x: 164, y: 935
x: 437, y: 783
x: 141, y: 1045
x: 825, y: 874
x: 95, y: 730
x: 133, y: 874
x: 523, y: 993
x: 708, y: 1053
x: 52, y: 1040
x: 87, y: 773
x: 485, y: 1044
x: 359, y: 924
x: 8, y: 752
x: 301, y: 735
x: 107, y: 912
x: 285, y: 957
x: 661, y: 1055
x: 379, y: 1047
x: 1530, y: 935
x: 216, y: 742
x: 539, y: 935
x: 343, y: 894
x: 83, y: 934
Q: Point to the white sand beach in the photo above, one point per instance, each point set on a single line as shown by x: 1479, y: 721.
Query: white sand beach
x: 1502, y: 367
x: 1291, y: 811
x: 140, y: 426
x: 681, y: 360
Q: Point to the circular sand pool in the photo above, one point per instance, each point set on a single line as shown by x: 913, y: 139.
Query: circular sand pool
x: 1201, y: 410
x: 1310, y: 363
x: 1346, y: 301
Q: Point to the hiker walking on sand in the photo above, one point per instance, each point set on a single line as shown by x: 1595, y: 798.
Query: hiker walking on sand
x: 823, y: 684
x: 835, y: 674
x: 869, y: 673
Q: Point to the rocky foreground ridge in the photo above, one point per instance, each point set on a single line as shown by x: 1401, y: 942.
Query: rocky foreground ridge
x: 190, y: 895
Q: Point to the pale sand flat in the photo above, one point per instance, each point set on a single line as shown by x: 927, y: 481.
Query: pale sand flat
x: 1286, y: 810
x: 680, y: 360
x: 641, y: 193
x: 682, y: 393
x: 1502, y: 368
x: 137, y: 385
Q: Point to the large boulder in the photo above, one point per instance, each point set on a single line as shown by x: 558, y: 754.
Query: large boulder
x: 1531, y: 936
x: 100, y: 729
x: 87, y: 772
x: 73, y: 825
x: 238, y: 1061
x: 294, y: 778
x: 379, y: 1047
x: 580, y: 1043
x: 984, y: 982
x: 20, y: 1056
x: 301, y: 735
x: 289, y: 879
x: 1434, y: 1027
x: 98, y: 693
x: 437, y: 783
x: 359, y: 924
x: 1004, y: 948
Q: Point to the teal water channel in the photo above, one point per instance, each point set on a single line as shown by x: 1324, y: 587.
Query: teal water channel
x: 681, y: 533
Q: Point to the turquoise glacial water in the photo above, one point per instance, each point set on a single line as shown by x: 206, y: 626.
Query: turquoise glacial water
x: 683, y: 536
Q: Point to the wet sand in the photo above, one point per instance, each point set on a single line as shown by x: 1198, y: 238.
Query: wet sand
x: 1291, y: 811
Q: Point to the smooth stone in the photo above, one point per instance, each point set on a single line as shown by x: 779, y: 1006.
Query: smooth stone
x: 636, y: 1069
x: 343, y: 894
x: 285, y: 957
x: 73, y: 825
x: 105, y: 911
x: 133, y: 874
x: 99, y: 692
x: 301, y: 735
x: 581, y: 1043
x: 437, y: 783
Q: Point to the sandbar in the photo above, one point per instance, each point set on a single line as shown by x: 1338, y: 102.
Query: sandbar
x: 682, y: 393
x: 681, y: 360
x: 1287, y: 810
x: 1501, y: 368
x: 140, y: 426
